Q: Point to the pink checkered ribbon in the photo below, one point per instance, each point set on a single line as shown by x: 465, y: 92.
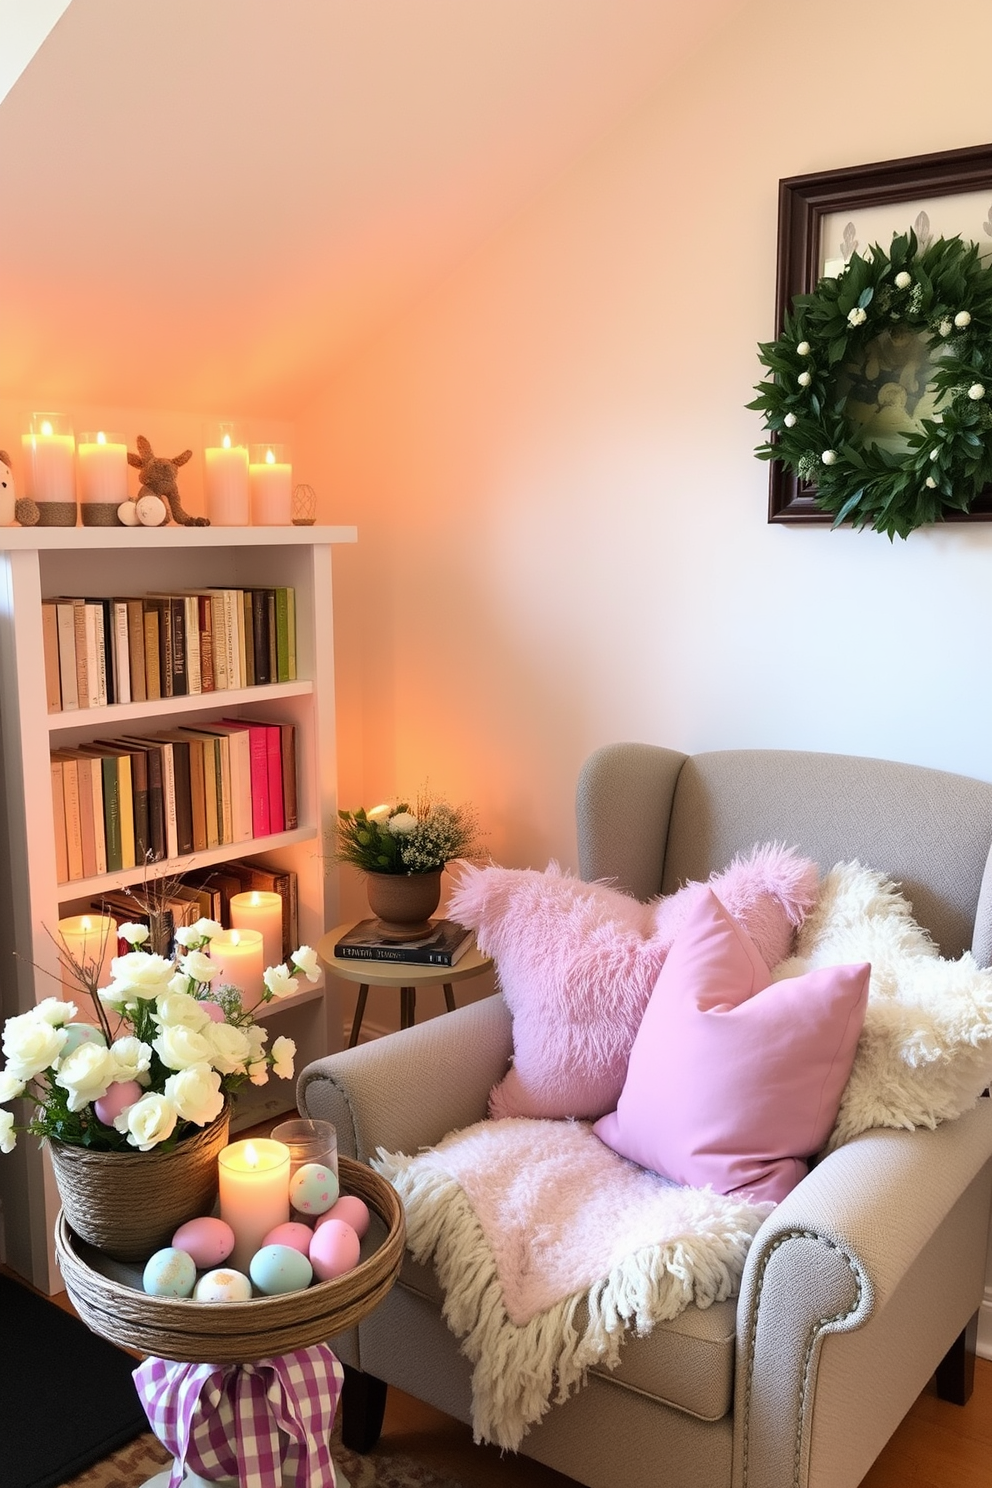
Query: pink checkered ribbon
x: 252, y: 1422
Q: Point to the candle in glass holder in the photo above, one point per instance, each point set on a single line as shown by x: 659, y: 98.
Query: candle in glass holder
x: 226, y: 477
x: 237, y: 954
x: 102, y: 467
x: 49, y: 456
x: 270, y: 476
x: 254, y: 1194
x: 90, y: 941
x: 255, y: 910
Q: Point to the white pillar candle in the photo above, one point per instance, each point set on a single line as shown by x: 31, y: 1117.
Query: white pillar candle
x: 253, y: 1177
x: 102, y: 463
x: 90, y: 941
x: 49, y: 454
x: 238, y: 956
x: 270, y: 477
x: 255, y: 910
x: 226, y: 480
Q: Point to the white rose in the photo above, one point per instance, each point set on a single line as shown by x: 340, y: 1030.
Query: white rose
x: 962, y: 319
x: 804, y: 379
x: 283, y: 1054
x: 180, y: 1010
x: 53, y: 1010
x: 378, y: 813
x: 196, y: 1094
x: 857, y: 316
x: 230, y: 1047
x: 903, y: 280
x: 198, y: 966
x: 113, y: 997
x: 258, y: 1073
x: 87, y: 1073
x: 10, y: 1087
x: 139, y: 975
x: 31, y: 1045
x: 179, y: 1047
x: 976, y: 391
x: 305, y: 960
x: 945, y: 328
x: 135, y: 935
x: 829, y: 457
x: 790, y: 421
x: 804, y: 348
x: 132, y: 1060
x: 8, y: 1140
x: 930, y: 482
x: 279, y: 981
x: 151, y: 1120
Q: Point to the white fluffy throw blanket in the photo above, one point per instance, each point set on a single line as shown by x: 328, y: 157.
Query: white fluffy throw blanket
x: 925, y: 1053
x: 548, y: 1246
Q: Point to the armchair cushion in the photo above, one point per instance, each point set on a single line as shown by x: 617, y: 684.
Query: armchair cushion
x: 734, y: 1080
x: 577, y: 962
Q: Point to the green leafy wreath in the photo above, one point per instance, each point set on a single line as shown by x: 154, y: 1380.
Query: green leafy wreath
x: 941, y: 296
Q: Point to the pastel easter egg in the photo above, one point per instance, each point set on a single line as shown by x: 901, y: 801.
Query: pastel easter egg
x: 291, y: 1233
x: 222, y: 1285
x: 119, y: 1096
x: 169, y: 1273
x: 334, y: 1249
x: 313, y: 1188
x: 207, y: 1240
x: 81, y: 1033
x: 213, y: 1010
x: 352, y: 1210
x: 276, y: 1269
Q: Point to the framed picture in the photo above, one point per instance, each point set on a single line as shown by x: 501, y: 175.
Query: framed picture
x: 825, y: 217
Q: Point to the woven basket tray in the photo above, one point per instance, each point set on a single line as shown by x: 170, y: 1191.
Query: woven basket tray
x: 115, y: 1307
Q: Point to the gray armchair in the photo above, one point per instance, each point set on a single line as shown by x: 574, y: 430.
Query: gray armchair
x: 859, y: 1285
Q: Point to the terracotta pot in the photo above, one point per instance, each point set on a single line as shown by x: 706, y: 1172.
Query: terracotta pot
x: 404, y: 902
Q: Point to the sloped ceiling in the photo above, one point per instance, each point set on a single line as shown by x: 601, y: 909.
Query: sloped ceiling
x: 208, y: 204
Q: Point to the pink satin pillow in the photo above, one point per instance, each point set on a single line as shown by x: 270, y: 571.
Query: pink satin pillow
x: 733, y: 1079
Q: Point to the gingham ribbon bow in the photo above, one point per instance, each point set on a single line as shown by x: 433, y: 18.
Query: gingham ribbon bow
x: 251, y: 1422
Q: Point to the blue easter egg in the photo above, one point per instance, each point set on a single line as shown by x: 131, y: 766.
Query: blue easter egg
x: 280, y: 1268
x: 169, y: 1273
x: 80, y: 1033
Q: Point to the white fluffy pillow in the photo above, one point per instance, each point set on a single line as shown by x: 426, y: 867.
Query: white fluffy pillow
x: 925, y: 1054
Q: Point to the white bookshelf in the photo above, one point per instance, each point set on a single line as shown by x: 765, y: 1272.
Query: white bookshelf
x: 40, y: 563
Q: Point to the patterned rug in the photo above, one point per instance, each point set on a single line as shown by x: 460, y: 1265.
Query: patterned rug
x: 141, y: 1459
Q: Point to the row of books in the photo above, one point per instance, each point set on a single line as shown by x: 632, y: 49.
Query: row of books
x: 203, y: 894
x: 102, y: 651
x: 121, y: 802
x: 444, y: 946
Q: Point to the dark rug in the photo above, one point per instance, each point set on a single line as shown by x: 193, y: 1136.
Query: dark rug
x: 67, y: 1398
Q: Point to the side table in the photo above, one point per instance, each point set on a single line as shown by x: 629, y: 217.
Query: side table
x: 406, y: 975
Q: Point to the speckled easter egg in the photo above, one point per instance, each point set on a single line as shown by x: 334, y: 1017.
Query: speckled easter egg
x: 352, y: 1210
x: 81, y: 1033
x: 169, y: 1273
x: 334, y: 1249
x: 207, y: 1240
x: 276, y: 1269
x: 291, y: 1233
x: 222, y: 1285
x: 119, y: 1096
x: 313, y: 1188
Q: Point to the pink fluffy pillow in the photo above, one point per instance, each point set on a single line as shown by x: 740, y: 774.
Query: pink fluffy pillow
x: 577, y: 962
x: 735, y: 1079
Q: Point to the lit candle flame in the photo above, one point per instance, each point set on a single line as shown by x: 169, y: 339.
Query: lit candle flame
x: 226, y: 441
x: 251, y: 1156
x: 87, y: 924
x: 101, y: 438
x: 235, y: 937
x: 46, y: 427
x: 270, y: 458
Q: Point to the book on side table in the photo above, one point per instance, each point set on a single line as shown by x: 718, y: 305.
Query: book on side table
x: 443, y: 947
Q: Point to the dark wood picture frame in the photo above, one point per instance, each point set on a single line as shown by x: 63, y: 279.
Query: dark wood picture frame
x: 803, y: 203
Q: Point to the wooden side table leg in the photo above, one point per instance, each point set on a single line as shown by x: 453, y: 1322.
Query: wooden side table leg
x: 356, y: 1022
x: 408, y: 1006
x: 449, y: 997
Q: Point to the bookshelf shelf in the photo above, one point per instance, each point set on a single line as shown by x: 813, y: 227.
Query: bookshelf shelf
x: 40, y: 563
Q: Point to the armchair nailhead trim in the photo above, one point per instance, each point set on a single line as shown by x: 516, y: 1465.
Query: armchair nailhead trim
x: 815, y: 1330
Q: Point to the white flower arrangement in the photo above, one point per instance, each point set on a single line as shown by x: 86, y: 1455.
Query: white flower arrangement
x: 169, y: 1050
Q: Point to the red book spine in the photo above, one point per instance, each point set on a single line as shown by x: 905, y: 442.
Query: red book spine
x: 273, y: 750
x: 259, y: 755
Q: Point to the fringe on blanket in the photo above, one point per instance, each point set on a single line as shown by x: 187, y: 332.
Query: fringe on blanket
x: 519, y: 1372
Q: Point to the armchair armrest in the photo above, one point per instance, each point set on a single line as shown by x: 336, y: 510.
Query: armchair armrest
x: 893, y: 1211
x: 409, y: 1089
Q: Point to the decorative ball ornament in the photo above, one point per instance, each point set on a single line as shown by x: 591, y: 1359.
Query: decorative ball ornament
x: 923, y: 319
x: 127, y: 513
x: 151, y: 510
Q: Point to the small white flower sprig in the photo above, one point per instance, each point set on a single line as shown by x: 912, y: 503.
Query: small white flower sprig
x: 942, y: 294
x: 180, y: 1048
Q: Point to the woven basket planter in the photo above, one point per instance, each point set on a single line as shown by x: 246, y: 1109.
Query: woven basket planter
x: 110, y: 1301
x: 130, y: 1204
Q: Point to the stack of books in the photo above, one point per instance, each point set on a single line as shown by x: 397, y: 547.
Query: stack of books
x: 124, y: 801
x: 447, y: 943
x: 103, y: 651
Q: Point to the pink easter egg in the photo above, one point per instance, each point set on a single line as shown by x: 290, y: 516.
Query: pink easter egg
x: 292, y: 1233
x: 119, y: 1096
x: 334, y: 1249
x: 352, y: 1210
x: 213, y: 1010
x: 207, y: 1241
